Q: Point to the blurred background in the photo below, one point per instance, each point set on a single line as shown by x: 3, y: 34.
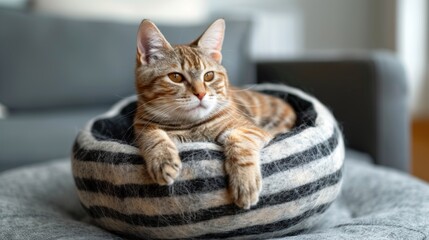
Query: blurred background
x: 57, y: 59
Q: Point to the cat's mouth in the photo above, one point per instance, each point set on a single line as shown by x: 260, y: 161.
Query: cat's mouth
x: 199, y: 106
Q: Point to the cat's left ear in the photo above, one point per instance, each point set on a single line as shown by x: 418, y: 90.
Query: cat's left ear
x: 211, y: 40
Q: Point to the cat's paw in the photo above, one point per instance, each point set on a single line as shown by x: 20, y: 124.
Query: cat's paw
x: 164, y: 168
x: 245, y: 185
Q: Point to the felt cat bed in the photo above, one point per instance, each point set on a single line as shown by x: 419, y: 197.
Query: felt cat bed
x: 301, y: 178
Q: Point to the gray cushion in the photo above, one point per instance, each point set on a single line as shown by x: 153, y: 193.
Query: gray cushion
x: 40, y: 202
x: 45, y: 61
x: 39, y: 136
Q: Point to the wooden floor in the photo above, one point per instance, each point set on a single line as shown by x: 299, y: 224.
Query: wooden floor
x: 420, y: 148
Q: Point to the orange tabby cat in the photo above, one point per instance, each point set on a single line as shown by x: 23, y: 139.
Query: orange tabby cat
x: 184, y: 95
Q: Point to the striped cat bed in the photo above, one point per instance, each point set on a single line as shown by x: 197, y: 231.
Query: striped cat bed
x: 301, y: 178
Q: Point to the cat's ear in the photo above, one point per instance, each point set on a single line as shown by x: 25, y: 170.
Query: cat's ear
x: 212, y: 39
x: 151, y: 44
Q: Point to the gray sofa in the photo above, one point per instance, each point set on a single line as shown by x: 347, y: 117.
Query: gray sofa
x: 56, y: 73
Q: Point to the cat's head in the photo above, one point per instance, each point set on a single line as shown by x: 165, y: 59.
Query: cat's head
x: 183, y: 82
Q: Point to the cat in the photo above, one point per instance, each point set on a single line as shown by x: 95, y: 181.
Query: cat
x: 184, y: 95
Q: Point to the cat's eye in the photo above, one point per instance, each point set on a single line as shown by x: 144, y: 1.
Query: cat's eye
x: 209, y: 76
x: 175, y: 77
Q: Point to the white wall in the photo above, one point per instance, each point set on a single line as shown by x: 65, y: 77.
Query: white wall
x: 161, y: 11
x: 412, y: 48
x: 339, y: 24
x: 321, y: 25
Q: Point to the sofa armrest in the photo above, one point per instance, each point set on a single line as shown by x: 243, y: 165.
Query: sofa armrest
x: 367, y: 93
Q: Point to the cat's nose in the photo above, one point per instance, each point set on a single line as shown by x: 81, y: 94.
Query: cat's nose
x: 200, y: 95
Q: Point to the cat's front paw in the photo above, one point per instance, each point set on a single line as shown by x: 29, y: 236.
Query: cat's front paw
x: 164, y: 167
x: 245, y: 185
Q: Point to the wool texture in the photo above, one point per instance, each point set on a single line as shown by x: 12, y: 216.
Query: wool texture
x: 301, y: 171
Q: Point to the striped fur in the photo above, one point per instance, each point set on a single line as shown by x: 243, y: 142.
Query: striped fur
x: 184, y: 96
x: 301, y: 172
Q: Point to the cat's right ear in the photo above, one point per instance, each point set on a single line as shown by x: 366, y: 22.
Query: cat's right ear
x: 151, y: 44
x: 212, y: 39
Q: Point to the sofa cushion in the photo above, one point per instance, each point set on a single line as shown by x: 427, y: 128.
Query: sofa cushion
x: 30, y: 137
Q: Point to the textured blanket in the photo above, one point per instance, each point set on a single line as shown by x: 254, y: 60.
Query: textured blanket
x: 40, y: 202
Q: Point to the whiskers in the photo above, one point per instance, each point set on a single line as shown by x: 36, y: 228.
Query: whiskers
x: 227, y: 102
x: 240, y: 89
